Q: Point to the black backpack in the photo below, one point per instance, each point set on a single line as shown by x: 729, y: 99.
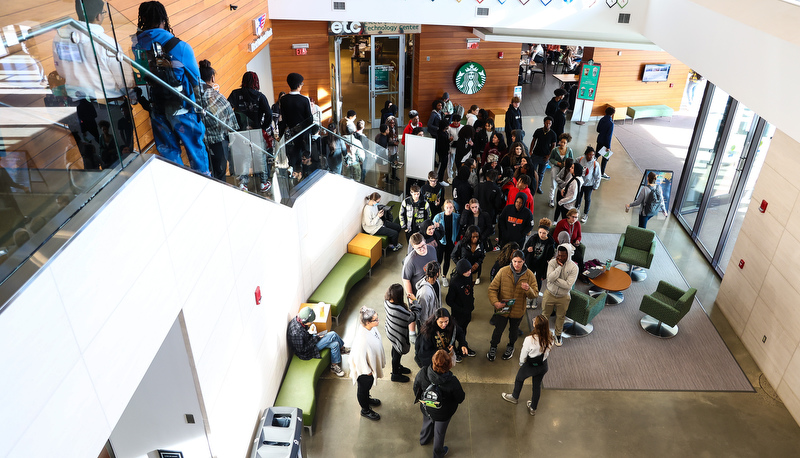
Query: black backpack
x: 431, y: 399
x: 159, y: 62
x: 652, y: 204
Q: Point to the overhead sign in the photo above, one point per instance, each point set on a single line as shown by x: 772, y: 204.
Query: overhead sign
x: 470, y: 78
x: 371, y: 28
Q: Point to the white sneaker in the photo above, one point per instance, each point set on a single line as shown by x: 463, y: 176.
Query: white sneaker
x: 584, y: 218
x: 337, y: 369
x: 444, y: 183
x: 478, y: 281
x: 265, y: 186
x: 445, y: 282
x: 243, y: 186
x: 552, y: 203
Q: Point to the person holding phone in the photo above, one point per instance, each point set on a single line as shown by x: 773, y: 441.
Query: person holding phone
x: 373, y: 222
x: 508, y: 294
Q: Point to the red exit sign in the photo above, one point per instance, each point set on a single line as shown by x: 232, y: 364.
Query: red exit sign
x: 301, y: 51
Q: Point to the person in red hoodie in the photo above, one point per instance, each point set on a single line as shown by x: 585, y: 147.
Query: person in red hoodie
x: 571, y: 225
x: 413, y: 123
x: 522, y: 185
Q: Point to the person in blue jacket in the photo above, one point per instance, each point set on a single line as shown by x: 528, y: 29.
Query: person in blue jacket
x: 176, y: 123
x: 448, y: 222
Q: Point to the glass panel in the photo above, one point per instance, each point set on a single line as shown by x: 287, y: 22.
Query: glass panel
x: 64, y: 118
x: 747, y: 194
x: 726, y: 178
x: 385, y: 75
x: 706, y: 153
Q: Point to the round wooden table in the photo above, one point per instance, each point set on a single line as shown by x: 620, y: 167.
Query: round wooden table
x: 613, y: 282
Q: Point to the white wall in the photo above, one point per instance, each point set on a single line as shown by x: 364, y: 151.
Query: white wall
x: 262, y: 65
x: 155, y: 416
x: 586, y: 17
x: 80, y: 336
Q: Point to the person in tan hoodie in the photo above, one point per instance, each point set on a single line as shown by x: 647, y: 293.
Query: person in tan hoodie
x: 513, y: 282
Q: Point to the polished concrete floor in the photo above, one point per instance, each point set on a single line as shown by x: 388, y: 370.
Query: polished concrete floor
x: 568, y: 422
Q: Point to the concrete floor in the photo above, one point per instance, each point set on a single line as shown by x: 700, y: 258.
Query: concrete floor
x: 568, y: 422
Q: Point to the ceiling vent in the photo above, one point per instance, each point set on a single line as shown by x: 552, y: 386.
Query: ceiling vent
x: 624, y: 18
x: 339, y: 6
x: 481, y: 12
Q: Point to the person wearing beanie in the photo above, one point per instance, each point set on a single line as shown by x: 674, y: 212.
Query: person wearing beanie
x: 461, y: 299
x: 301, y: 333
x: 539, y: 249
x: 447, y: 104
x: 514, y: 221
x: 295, y: 116
x: 413, y: 123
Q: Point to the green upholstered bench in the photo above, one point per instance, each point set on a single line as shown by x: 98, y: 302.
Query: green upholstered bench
x: 299, y: 387
x: 346, y: 273
x: 649, y: 111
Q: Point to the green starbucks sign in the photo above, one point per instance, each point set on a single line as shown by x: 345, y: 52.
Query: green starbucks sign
x: 470, y: 78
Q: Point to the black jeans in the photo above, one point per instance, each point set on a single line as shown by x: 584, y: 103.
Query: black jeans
x: 585, y: 193
x: 396, y: 365
x: 603, y: 160
x: 443, y: 256
x: 218, y: 159
x: 364, y: 383
x: 500, y: 325
x: 391, y: 230
x: 528, y: 370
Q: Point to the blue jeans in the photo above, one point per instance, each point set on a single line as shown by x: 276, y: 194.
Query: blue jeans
x: 170, y: 131
x: 643, y: 219
x: 335, y: 343
x: 540, y: 164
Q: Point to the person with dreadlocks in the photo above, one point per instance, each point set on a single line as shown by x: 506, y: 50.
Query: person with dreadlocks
x: 173, y: 122
x: 253, y: 112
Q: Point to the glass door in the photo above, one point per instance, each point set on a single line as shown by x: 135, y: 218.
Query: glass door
x: 386, y: 74
x: 724, y: 160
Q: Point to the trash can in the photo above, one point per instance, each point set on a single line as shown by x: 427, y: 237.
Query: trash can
x: 279, y: 434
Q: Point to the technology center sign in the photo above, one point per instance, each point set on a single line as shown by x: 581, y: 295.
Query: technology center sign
x: 470, y: 78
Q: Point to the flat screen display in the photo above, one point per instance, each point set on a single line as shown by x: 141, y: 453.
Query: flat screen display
x: 655, y: 72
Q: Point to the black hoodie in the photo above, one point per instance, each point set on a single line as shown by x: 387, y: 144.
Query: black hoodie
x: 513, y: 224
x: 460, y: 296
x: 449, y: 387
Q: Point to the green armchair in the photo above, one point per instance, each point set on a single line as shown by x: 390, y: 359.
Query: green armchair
x: 665, y: 308
x: 582, y: 310
x: 636, y: 248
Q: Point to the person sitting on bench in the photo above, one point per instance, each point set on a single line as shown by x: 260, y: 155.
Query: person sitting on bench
x: 306, y: 342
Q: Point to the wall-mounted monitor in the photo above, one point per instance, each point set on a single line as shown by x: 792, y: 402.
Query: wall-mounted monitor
x: 655, y: 72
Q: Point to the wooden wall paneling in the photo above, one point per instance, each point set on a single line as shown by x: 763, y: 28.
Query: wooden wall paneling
x: 314, y: 66
x: 447, y: 48
x: 620, y: 83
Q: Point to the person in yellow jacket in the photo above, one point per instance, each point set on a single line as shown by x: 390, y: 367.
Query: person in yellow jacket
x: 508, y: 293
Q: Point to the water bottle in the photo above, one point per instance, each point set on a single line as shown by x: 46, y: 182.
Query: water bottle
x: 608, y: 265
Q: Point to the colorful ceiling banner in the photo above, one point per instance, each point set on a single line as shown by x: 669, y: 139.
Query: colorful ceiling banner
x: 622, y: 3
x: 546, y: 2
x: 524, y: 2
x: 611, y: 3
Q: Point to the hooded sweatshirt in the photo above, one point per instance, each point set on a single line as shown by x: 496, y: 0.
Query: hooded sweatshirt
x: 429, y: 297
x: 561, y: 278
x: 184, y: 63
x: 591, y: 172
x: 514, y: 224
x: 460, y: 296
x: 449, y: 387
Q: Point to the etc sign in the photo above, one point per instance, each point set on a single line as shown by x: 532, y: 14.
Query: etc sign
x: 345, y: 28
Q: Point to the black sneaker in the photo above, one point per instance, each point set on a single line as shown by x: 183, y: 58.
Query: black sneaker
x: 404, y: 370
x: 491, y: 355
x: 374, y: 402
x: 471, y: 353
x: 459, y: 358
x: 400, y: 378
x: 559, y: 341
x: 371, y: 414
x: 508, y: 353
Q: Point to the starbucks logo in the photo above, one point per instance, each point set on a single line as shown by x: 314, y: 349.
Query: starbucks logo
x: 470, y: 78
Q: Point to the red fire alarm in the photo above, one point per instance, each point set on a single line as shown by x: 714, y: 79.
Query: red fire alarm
x: 258, y: 295
x: 500, y: 55
x: 763, y: 207
x: 741, y: 263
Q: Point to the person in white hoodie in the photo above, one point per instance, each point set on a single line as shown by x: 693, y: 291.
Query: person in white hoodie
x: 561, y: 275
x: 569, y: 194
x: 367, y: 361
x: 591, y: 181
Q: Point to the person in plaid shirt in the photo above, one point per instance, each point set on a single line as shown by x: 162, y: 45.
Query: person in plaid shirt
x: 306, y: 342
x: 216, y: 134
